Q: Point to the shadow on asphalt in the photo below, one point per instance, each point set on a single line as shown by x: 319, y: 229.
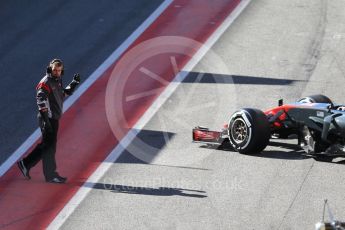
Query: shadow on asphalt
x: 160, y: 191
x: 285, y: 145
x: 290, y: 155
x: 296, y: 152
x: 197, y: 77
x: 147, y: 145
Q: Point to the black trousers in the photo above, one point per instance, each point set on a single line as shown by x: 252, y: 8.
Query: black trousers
x: 45, y: 151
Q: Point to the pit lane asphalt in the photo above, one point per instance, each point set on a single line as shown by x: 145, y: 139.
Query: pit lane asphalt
x: 275, y: 49
x: 82, y: 33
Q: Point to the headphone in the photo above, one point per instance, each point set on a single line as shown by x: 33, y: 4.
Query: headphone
x: 55, y: 61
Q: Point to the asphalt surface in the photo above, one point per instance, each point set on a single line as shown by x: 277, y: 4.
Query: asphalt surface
x: 275, y: 49
x: 82, y: 33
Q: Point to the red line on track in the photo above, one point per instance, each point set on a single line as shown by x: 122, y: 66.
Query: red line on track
x: 85, y: 138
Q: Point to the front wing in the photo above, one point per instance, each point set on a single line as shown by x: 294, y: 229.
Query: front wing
x: 204, y: 135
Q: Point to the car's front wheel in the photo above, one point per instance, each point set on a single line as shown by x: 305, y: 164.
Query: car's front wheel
x: 249, y: 131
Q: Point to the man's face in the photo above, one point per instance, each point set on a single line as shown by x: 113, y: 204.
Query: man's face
x: 56, y: 71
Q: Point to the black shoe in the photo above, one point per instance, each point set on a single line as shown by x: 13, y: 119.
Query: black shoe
x: 23, y: 169
x: 57, y: 180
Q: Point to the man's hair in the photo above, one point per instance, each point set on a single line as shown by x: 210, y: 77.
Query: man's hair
x: 56, y: 62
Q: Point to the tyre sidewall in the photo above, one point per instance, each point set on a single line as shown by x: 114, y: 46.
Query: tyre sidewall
x: 243, y: 116
x: 258, y: 131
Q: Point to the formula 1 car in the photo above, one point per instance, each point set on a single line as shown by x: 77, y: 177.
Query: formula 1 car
x: 317, y: 124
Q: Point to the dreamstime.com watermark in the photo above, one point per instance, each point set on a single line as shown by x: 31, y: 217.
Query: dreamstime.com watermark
x: 130, y: 184
x: 128, y: 90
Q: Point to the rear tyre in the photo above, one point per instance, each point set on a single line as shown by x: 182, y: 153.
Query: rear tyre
x: 249, y: 131
x: 317, y: 98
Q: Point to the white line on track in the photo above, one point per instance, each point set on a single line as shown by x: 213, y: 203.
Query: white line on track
x: 112, y: 157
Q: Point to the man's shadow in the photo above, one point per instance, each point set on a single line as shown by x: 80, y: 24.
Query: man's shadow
x: 160, y: 191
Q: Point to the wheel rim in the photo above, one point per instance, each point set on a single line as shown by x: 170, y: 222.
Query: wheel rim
x: 239, y: 131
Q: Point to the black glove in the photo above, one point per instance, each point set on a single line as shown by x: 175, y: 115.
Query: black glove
x: 76, y: 78
x: 46, y: 127
x: 71, y: 87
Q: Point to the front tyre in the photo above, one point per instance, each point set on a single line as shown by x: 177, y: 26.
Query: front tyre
x: 249, y: 131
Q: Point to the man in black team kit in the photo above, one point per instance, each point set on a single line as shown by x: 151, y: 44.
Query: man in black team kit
x: 50, y: 95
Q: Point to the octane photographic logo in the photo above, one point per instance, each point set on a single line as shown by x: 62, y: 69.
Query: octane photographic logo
x: 148, y: 83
